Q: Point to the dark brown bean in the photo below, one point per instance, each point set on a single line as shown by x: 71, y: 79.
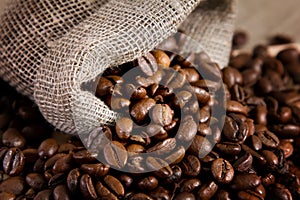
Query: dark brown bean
x: 190, y: 185
x: 162, y: 58
x: 160, y: 193
x: 48, y: 148
x: 60, y: 193
x: 148, y: 183
x: 87, y: 187
x: 63, y: 164
x: 139, y: 196
x: 73, y: 180
x: 13, y: 162
x: 222, y: 195
x: 243, y: 163
x: 104, y: 87
x: 114, y: 185
x: 148, y: 64
x: 85, y: 156
x: 12, y: 138
x: 187, y: 129
x: 207, y: 190
x: 160, y: 167
x: 191, y: 166
x: 140, y: 110
x: 124, y: 127
x: 185, y: 196
x: 245, y: 181
x: 15, y: 185
x: 43, y: 195
x: 222, y: 171
x: 268, y: 138
x: 161, y: 114
x: 35, y: 181
x: 200, y: 146
x: 229, y: 148
x: 103, y: 192
x: 115, y: 154
x: 163, y: 148
x: 246, y: 195
x: 97, y: 170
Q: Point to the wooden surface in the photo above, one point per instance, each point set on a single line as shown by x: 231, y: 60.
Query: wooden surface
x: 262, y: 18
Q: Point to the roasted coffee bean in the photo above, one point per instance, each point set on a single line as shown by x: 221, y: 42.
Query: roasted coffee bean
x: 287, y: 148
x: 66, y: 148
x: 135, y: 149
x: 240, y: 38
x: 268, y: 138
x: 12, y: 138
x: 187, y: 129
x: 202, y: 95
x: 190, y: 185
x: 124, y: 127
x: 162, y: 58
x: 57, y: 179
x: 278, y: 191
x: 161, y: 114
x: 256, y: 142
x: 7, y: 196
x: 222, y: 195
x: 176, y: 156
x: 148, y: 64
x: 97, y: 170
x: 245, y: 181
x: 200, y: 146
x: 139, y: 196
x: 87, y: 187
x: 207, y: 190
x: 235, y: 129
x: 191, y: 166
x: 73, y: 180
x: 14, y: 185
x: 39, y: 165
x: 270, y: 157
x: 157, y: 131
x: 243, y: 163
x: 60, y: 193
x: 134, y: 92
x: 159, y: 166
x: 115, y: 154
x: 191, y: 74
x: 105, y: 87
x: 163, y: 148
x: 35, y: 181
x: 63, y: 164
x: 148, y: 183
x: 185, y: 196
x: 48, y: 148
x: 229, y: 148
x: 231, y: 76
x: 31, y: 155
x: 103, y: 192
x: 43, y: 195
x: 160, y: 193
x: 115, y: 185
x: 85, y: 156
x: 255, y: 155
x: 222, y: 170
x: 51, y: 161
x: 120, y: 104
x: 13, y: 162
x: 261, y: 190
x: 286, y: 131
x: 140, y: 110
x: 126, y: 180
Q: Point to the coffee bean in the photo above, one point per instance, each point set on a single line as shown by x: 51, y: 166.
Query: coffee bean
x: 66, y: 148
x: 85, y: 156
x: 31, y: 155
x: 134, y: 92
x: 115, y: 185
x: 103, y: 192
x: 162, y: 58
x: 240, y: 38
x: 231, y: 76
x: 163, y: 148
x: 222, y: 195
x: 268, y: 138
x: 191, y: 74
x: 51, y: 161
x: 159, y: 166
x: 7, y: 196
x: 87, y: 187
x: 229, y: 148
x: 126, y: 180
x: 104, y: 87
x: 245, y: 181
x: 270, y: 157
x: 278, y: 191
x: 135, y: 149
x: 63, y: 164
x: 185, y: 196
x: 200, y: 146
x: 160, y: 193
x: 73, y: 180
x: 222, y: 170
x: 97, y: 170
x: 235, y: 129
x: 14, y: 185
x: 60, y: 193
x: 202, y: 95
x: 244, y: 195
x: 35, y: 181
x: 287, y: 131
x: 148, y: 64
x: 139, y: 196
x: 13, y: 162
x: 287, y: 148
x: 260, y: 190
x: 115, y: 154
x: 97, y: 138
x: 48, y: 148
x: 207, y: 190
x: 57, y: 179
x: 12, y: 138
x: 256, y: 143
x: 243, y: 163
x: 124, y: 127
x: 190, y: 185
x: 187, y: 129
x: 254, y: 154
x: 191, y: 166
x: 140, y: 110
x: 43, y: 195
x: 161, y: 114
x: 176, y: 156
x: 148, y: 183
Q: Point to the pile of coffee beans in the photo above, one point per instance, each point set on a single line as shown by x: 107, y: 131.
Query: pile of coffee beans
x: 167, y: 143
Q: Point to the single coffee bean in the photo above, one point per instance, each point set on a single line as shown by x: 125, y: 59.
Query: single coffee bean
x: 229, y: 148
x: 114, y: 185
x: 243, y: 163
x: 231, y: 76
x: 159, y: 166
x: 160, y: 193
x: 13, y: 162
x: 31, y: 155
x: 207, y: 190
x: 162, y: 58
x: 97, y: 170
x: 14, y: 185
x: 222, y: 171
x: 115, y: 154
x: 63, y: 164
x: 190, y: 185
x: 278, y: 191
x: 260, y: 190
x: 124, y: 127
x: 140, y: 110
x: 48, y: 148
x: 287, y: 130
x: 135, y: 149
x: 240, y: 38
x: 176, y: 156
x: 148, y: 64
x: 87, y: 187
x: 104, y: 87
x: 245, y: 181
x: 35, y: 181
x: 51, y: 161
x: 12, y: 138
x: 139, y: 196
x: 103, y: 192
x: 7, y: 196
x: 120, y: 104
x: 200, y: 146
x: 185, y: 196
x: 235, y: 129
x: 134, y: 92
x: 191, y: 166
x: 256, y: 142
x: 187, y: 129
x: 126, y: 180
x: 60, y: 193
x: 257, y: 156
x: 38, y: 166
x: 148, y: 183
x: 270, y: 157
x: 202, y: 95
x: 85, y: 156
x: 43, y: 195
x: 236, y: 107
x: 268, y: 138
x: 250, y: 77
x: 163, y: 148
x: 161, y: 114
x: 191, y: 74
x: 73, y: 180
x: 57, y: 179
x: 287, y: 148
x: 66, y: 148
x: 97, y: 138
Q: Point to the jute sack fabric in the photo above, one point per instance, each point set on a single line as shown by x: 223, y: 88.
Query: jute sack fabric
x: 51, y: 49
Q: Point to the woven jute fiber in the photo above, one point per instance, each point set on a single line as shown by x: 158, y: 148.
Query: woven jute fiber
x: 51, y: 48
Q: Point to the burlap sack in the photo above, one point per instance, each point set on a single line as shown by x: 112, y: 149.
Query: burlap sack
x: 49, y: 48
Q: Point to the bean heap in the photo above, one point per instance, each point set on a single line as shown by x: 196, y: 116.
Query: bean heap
x: 255, y: 155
